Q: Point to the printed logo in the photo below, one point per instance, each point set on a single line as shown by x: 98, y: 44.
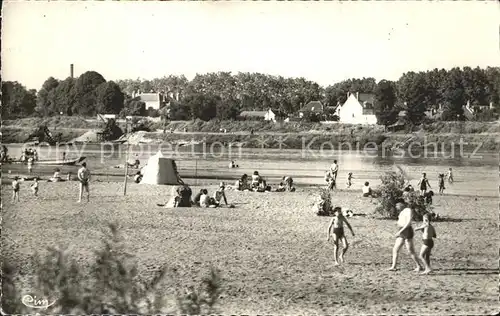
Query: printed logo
x: 34, y: 302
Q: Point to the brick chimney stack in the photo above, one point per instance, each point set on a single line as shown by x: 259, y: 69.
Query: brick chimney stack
x: 71, y: 71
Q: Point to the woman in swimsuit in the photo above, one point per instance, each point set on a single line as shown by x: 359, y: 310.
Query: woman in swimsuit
x: 337, y: 223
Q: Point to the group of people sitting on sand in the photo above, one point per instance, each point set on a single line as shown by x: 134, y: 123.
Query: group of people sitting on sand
x: 258, y: 184
x: 183, y: 197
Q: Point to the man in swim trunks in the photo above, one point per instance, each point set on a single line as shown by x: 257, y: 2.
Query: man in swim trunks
x: 84, y: 178
x: 337, y: 223
x: 423, y: 184
x: 404, y: 235
x: 334, y: 169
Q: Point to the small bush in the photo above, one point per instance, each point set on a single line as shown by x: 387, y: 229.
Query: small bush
x: 111, y: 285
x: 391, y: 190
x: 324, y: 206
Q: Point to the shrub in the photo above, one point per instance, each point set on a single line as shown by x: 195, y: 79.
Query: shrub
x: 111, y: 286
x: 391, y: 190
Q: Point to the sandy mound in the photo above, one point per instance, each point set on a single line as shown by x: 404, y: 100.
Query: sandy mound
x: 90, y: 136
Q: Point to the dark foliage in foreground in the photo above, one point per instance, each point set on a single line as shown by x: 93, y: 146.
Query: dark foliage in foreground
x: 111, y: 286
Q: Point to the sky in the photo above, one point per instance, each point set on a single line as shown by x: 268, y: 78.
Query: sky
x: 326, y: 42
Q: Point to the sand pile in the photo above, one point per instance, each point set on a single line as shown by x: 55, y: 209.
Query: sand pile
x: 88, y: 137
x: 138, y: 137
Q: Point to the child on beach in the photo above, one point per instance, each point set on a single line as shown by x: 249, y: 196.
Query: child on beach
x: 34, y: 187
x: 428, y: 233
x: 441, y: 183
x: 16, y: 187
x: 449, y: 175
x: 349, y: 178
x: 330, y: 180
x: 337, y: 223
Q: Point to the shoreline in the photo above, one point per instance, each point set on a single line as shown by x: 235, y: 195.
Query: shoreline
x: 292, y: 135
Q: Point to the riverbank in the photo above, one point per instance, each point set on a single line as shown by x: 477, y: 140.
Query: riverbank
x: 293, y: 135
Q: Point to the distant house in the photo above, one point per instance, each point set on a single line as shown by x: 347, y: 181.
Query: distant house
x: 268, y: 115
x: 313, y: 107
x: 152, y: 100
x: 358, y: 109
x: 470, y: 111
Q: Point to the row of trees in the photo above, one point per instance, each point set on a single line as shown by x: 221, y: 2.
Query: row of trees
x: 223, y: 95
x: 86, y: 95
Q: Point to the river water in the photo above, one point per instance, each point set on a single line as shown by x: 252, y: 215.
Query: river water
x: 476, y: 174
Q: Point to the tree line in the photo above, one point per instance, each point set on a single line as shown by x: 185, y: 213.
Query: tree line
x: 224, y: 95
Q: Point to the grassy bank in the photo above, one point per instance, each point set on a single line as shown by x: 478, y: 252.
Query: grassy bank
x: 294, y: 134
x: 237, y: 126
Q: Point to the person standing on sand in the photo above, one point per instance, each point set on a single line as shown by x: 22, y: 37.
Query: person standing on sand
x: 428, y: 232
x: 441, y: 183
x: 423, y: 184
x: 334, y: 168
x: 337, y: 223
x: 16, y: 187
x: 449, y: 175
x: 84, y: 178
x: 404, y: 235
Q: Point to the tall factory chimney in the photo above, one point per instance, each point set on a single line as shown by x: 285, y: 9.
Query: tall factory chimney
x: 71, y: 71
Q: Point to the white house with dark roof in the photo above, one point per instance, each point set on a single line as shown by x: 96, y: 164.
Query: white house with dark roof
x: 358, y: 109
x: 268, y: 115
x: 313, y: 106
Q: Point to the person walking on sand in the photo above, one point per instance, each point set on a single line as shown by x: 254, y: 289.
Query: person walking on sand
x: 423, y: 184
x: 349, y: 180
x: 16, y: 187
x: 337, y: 223
x: 34, y: 187
x: 334, y: 168
x: 404, y: 235
x: 428, y: 232
x: 84, y: 178
x: 441, y: 183
x: 449, y: 175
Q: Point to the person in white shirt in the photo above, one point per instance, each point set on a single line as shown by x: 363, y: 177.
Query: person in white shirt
x: 84, y: 178
x: 255, y: 179
x: 367, y: 191
x: 204, y: 199
x: 334, y: 168
x: 404, y: 235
